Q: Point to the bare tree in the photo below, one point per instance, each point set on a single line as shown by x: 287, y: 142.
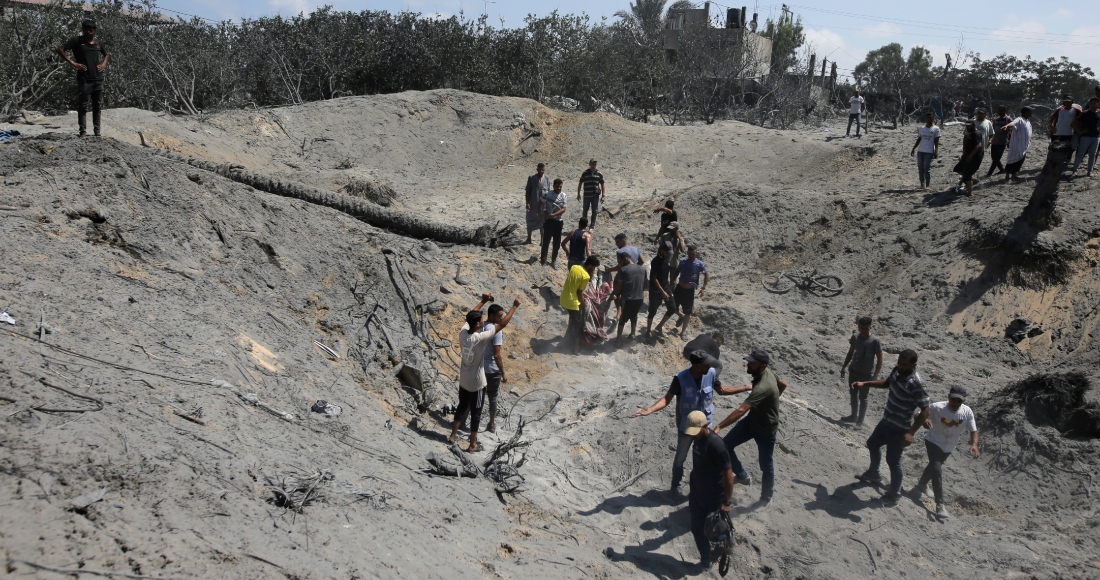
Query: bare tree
x: 29, y: 70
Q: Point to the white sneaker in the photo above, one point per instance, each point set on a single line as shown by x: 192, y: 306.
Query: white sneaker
x: 941, y: 512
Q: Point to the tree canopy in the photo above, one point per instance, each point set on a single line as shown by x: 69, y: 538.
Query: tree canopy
x: 787, y: 37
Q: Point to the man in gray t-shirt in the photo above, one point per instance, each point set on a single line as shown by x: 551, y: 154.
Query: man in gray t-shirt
x: 630, y: 288
x: 865, y: 358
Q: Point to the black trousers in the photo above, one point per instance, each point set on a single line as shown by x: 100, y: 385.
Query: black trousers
x: 551, y: 233
x: 89, y: 92
x: 934, y: 472
x: 995, y: 154
x: 700, y: 508
x: 470, y: 403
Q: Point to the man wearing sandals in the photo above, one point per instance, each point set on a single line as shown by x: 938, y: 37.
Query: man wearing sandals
x: 471, y: 375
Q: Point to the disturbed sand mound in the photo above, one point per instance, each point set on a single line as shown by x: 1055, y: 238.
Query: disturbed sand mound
x: 170, y: 277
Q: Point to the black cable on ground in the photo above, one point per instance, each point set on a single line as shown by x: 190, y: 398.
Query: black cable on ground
x: 108, y: 363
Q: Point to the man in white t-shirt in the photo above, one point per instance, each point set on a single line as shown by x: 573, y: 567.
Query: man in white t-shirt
x: 494, y: 364
x: 855, y: 114
x: 926, y: 149
x: 471, y: 375
x: 945, y: 423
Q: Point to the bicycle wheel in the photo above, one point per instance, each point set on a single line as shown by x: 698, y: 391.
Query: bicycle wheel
x: 828, y: 285
x: 778, y: 283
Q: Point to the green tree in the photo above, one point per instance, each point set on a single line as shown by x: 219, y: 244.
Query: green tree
x: 883, y: 70
x: 918, y: 67
x: 646, y: 15
x: 787, y: 37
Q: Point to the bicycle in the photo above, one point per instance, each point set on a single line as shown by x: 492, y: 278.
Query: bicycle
x: 822, y: 284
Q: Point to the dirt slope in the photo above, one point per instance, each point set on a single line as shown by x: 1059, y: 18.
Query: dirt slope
x: 121, y: 249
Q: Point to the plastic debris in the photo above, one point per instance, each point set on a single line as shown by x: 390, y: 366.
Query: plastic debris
x: 88, y: 499
x: 327, y: 409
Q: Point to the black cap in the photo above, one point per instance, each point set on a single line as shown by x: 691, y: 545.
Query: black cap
x: 864, y: 320
x: 957, y: 392
x: 700, y: 357
x: 758, y: 355
x: 88, y: 23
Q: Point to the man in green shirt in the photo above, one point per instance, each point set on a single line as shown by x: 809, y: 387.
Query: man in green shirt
x: 761, y: 424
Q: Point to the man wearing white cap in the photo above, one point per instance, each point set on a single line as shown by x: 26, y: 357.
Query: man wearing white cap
x: 945, y: 423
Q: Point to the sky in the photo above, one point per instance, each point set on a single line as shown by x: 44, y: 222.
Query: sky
x: 842, y: 32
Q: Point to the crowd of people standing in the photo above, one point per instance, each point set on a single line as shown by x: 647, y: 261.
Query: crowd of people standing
x: 1077, y: 126
x: 672, y: 282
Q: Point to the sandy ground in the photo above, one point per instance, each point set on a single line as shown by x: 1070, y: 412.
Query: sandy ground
x: 118, y: 252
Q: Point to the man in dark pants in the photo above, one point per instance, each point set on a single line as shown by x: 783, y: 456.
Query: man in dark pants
x: 687, y: 282
x: 660, y: 291
x: 761, y: 425
x: 630, y: 289
x: 594, y: 192
x: 552, y: 206
x: 494, y: 364
x: 946, y: 422
x: 89, y: 73
x: 999, y: 142
x: 711, y: 481
x: 864, y: 353
x: 471, y: 373
x: 694, y: 389
x: 896, y: 429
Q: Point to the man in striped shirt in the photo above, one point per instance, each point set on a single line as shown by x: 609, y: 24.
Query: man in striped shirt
x: 594, y: 192
x: 896, y: 429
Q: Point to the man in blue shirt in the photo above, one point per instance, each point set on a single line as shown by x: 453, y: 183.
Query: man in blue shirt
x: 694, y: 389
x: 688, y: 272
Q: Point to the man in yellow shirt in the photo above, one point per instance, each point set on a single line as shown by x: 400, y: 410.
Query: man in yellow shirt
x: 570, y: 300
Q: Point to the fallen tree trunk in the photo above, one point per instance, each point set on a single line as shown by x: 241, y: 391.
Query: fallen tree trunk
x: 401, y: 222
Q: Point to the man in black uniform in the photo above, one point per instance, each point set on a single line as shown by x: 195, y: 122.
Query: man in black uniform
x: 89, y: 73
x: 711, y: 481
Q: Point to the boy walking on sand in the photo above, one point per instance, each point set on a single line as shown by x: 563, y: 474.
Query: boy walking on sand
x: 688, y: 272
x: 945, y: 423
x: 864, y: 354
